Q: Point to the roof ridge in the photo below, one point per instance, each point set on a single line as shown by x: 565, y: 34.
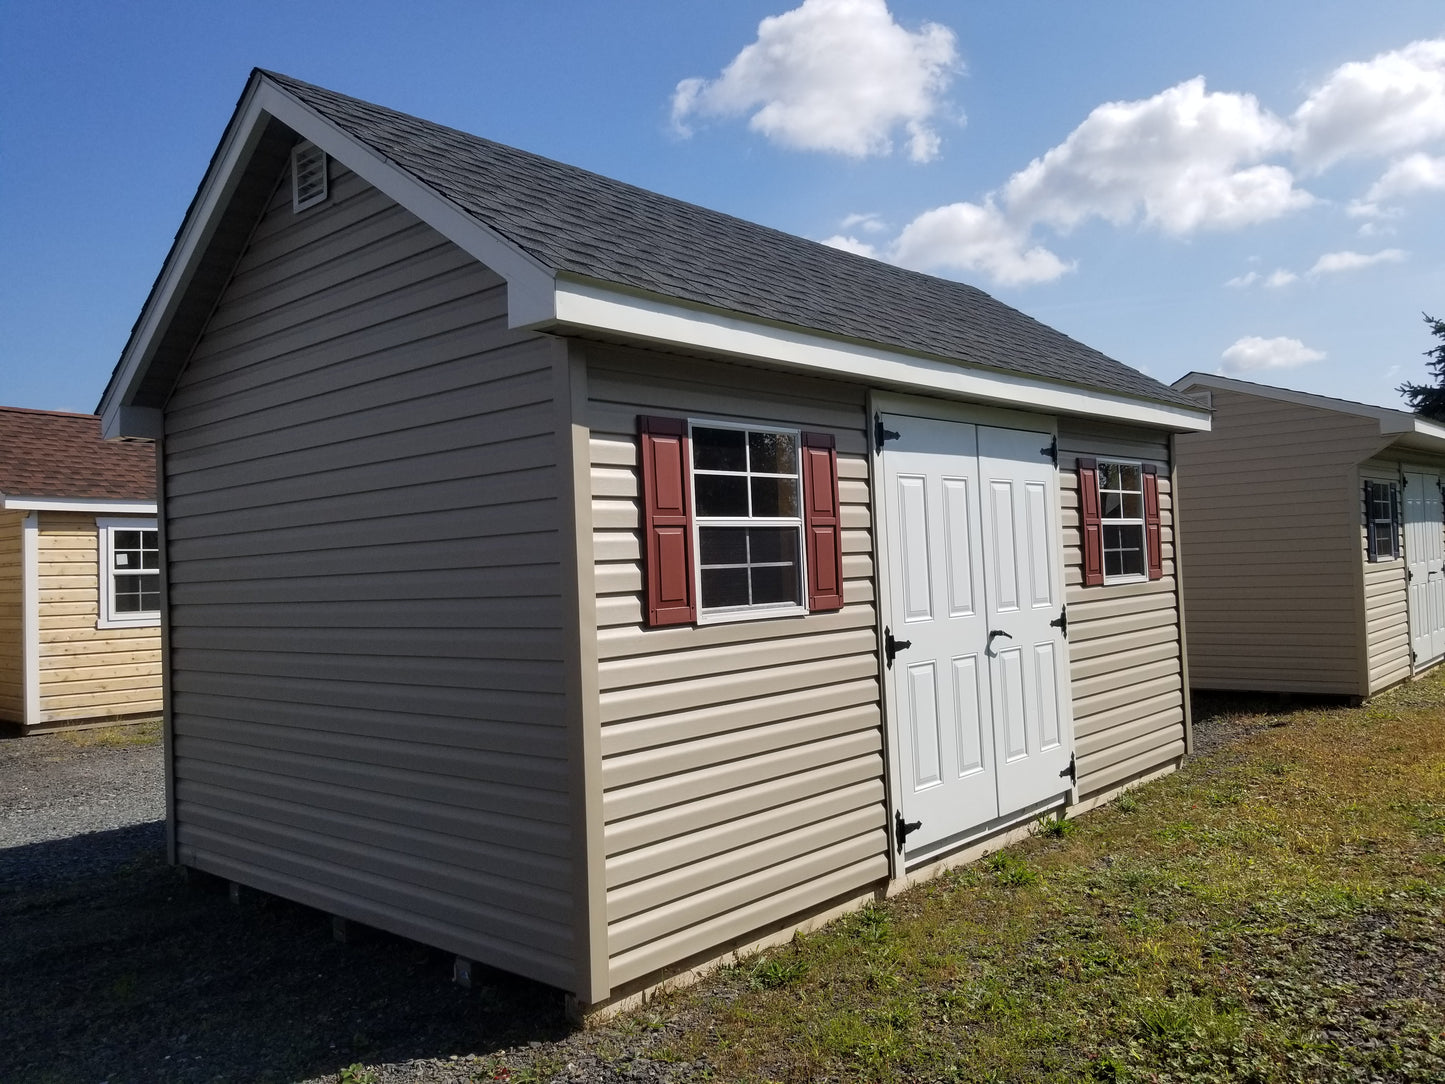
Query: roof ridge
x: 53, y: 413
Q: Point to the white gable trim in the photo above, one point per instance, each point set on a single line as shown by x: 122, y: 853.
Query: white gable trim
x: 529, y: 283
x: 596, y: 307
x: 1392, y: 422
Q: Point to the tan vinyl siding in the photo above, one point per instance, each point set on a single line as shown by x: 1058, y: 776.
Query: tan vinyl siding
x: 365, y: 568
x: 1273, y: 547
x: 1124, y: 655
x: 1387, y: 617
x: 12, y: 619
x: 742, y: 763
x: 87, y: 672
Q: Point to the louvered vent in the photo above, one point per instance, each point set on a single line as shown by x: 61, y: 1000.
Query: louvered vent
x: 308, y: 176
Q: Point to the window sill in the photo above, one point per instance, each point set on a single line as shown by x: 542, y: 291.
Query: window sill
x: 1116, y: 581
x: 139, y: 621
x: 722, y: 617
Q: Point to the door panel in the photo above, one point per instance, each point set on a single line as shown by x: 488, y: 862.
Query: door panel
x: 982, y: 726
x: 1425, y: 562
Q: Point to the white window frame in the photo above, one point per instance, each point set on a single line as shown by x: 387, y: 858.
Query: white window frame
x: 105, y: 537
x: 759, y: 611
x: 1123, y: 521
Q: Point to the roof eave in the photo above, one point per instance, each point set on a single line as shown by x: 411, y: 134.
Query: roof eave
x: 581, y: 305
x: 529, y: 283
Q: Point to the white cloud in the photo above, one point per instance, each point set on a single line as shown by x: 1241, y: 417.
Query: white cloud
x: 1252, y: 352
x: 833, y: 75
x: 973, y: 237
x: 869, y: 223
x: 851, y: 244
x: 1406, y: 176
x: 1334, y: 262
x: 1280, y: 277
x: 1275, y: 279
x: 1241, y: 282
x: 1391, y: 103
x: 1184, y: 160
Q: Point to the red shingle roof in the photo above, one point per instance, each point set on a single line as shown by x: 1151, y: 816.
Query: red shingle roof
x: 48, y: 454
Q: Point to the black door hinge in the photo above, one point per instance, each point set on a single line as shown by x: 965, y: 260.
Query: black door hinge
x: 902, y: 828
x: 881, y: 436
x: 1061, y: 622
x: 1071, y: 771
x: 1052, y: 451
x: 892, y: 647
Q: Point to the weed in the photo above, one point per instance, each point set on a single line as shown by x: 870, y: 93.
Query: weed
x: 356, y: 1073
x: 121, y: 736
x: 1009, y: 869
x: 1128, y: 802
x: 776, y: 973
x: 1055, y: 826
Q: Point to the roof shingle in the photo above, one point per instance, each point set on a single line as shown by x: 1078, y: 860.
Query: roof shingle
x: 48, y: 454
x: 588, y: 225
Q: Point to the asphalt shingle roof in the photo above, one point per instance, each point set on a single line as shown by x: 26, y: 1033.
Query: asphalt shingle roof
x: 585, y: 224
x: 47, y: 454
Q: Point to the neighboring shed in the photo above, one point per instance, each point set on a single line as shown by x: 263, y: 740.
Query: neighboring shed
x: 590, y: 583
x: 79, y: 573
x: 1314, y: 542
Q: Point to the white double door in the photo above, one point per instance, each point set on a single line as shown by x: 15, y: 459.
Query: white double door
x: 1425, y: 560
x: 978, y: 686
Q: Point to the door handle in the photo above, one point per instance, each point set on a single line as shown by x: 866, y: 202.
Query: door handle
x: 991, y: 634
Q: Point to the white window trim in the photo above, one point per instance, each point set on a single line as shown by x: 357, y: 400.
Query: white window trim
x: 1104, y: 521
x: 105, y: 538
x: 766, y: 611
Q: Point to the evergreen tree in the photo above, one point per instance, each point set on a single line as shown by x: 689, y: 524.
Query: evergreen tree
x: 1428, y: 400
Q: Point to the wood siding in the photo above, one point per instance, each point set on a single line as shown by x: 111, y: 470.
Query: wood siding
x: 12, y: 619
x: 361, y: 492
x: 1124, y: 647
x: 86, y: 672
x: 1273, y: 547
x: 742, y: 763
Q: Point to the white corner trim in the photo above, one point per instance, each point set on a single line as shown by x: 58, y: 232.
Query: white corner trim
x: 597, y: 307
x: 30, y: 604
x: 70, y: 504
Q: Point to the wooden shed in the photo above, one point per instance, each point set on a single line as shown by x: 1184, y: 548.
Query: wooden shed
x: 590, y: 583
x: 79, y: 574
x: 1314, y: 542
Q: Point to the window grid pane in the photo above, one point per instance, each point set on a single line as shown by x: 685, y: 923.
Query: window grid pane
x: 135, y: 571
x: 1121, y: 508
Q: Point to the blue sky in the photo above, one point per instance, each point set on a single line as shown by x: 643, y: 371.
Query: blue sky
x: 1259, y: 190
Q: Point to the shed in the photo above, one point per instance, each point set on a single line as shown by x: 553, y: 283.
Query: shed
x: 590, y: 583
x: 79, y: 574
x: 1314, y: 542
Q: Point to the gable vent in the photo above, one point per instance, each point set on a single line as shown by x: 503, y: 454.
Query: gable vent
x: 308, y: 176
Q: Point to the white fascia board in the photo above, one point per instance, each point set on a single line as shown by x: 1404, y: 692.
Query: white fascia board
x: 68, y: 504
x: 594, y: 306
x: 529, y: 283
x: 1392, y: 422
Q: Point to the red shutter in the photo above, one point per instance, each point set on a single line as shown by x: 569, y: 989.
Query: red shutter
x: 1153, y: 532
x: 821, y: 526
x: 667, y: 521
x: 1090, y: 527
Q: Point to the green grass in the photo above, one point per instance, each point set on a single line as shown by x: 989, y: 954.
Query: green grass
x: 147, y: 732
x: 1274, y: 912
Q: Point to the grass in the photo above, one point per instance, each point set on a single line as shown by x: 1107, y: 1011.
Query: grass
x: 147, y: 732
x: 1274, y: 912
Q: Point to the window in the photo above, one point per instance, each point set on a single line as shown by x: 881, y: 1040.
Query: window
x: 1121, y: 511
x: 1120, y: 521
x: 130, y: 573
x: 738, y: 521
x: 1382, y: 521
x: 747, y: 509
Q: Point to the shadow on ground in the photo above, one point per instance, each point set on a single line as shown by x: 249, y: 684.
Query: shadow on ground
x: 114, y: 967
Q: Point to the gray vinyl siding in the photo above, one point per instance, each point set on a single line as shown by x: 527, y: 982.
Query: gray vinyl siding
x: 361, y: 492
x: 1273, y: 547
x: 741, y: 763
x: 1124, y: 648
x: 12, y: 619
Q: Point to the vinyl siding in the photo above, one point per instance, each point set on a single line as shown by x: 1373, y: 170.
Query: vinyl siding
x: 12, y: 619
x: 1387, y: 616
x: 1124, y: 648
x: 364, y: 560
x: 86, y: 672
x: 1273, y: 547
x: 741, y: 763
